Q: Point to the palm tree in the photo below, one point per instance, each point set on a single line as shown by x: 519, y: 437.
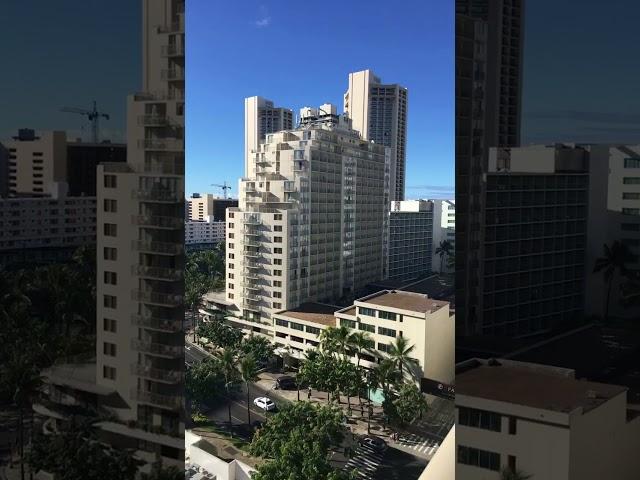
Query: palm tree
x: 399, y: 353
x: 335, y: 340
x: 386, y: 375
x: 444, y: 249
x: 359, y: 343
x: 614, y: 261
x: 249, y: 373
x: 228, y: 363
x: 508, y: 474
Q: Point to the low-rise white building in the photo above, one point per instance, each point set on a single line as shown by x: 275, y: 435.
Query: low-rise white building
x: 544, y: 422
x: 201, y: 462
x: 204, y: 232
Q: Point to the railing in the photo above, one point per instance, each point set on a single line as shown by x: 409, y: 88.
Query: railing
x: 157, y: 221
x: 151, y: 120
x: 171, y: 274
x: 172, y: 74
x: 157, y: 195
x: 161, y: 349
x: 155, y: 323
x: 173, y: 50
x: 164, y: 299
x: 251, y: 254
x: 158, y: 247
x: 170, y: 166
x: 157, y: 399
x: 161, y: 144
x: 173, y: 27
x: 119, y: 167
x: 158, y: 96
x: 160, y: 374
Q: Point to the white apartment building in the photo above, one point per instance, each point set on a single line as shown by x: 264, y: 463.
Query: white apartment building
x: 312, y: 224
x: 260, y: 118
x: 426, y: 323
x: 544, y: 422
x: 138, y: 372
x: 444, y: 228
x: 201, y: 207
x: 204, y: 232
x: 36, y: 162
x: 45, y: 228
x: 379, y: 112
x: 411, y: 232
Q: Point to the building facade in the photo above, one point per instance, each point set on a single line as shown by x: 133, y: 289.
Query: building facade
x: 204, y: 232
x: 260, y: 118
x: 411, y: 229
x: 542, y: 421
x: 312, y: 224
x: 379, y: 112
x: 201, y: 207
x: 444, y: 229
x: 82, y: 164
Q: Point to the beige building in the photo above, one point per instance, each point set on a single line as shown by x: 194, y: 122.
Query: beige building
x: 138, y: 372
x: 260, y: 118
x: 379, y: 112
x: 312, y: 224
x: 544, y: 422
x: 201, y: 207
x: 36, y: 162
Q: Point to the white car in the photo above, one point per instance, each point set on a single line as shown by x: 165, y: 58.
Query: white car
x: 264, y: 403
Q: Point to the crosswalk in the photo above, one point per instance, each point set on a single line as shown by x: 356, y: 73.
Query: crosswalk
x: 366, y: 461
x: 421, y: 445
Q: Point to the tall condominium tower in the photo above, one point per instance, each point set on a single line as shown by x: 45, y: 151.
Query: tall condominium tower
x: 312, y: 223
x: 260, y: 118
x: 379, y: 112
x: 489, y: 47
x: 140, y: 344
x: 410, y: 239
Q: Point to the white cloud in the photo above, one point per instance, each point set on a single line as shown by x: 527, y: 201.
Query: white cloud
x: 265, y: 18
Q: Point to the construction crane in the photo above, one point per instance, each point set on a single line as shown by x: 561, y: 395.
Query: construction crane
x: 224, y: 187
x: 93, y: 115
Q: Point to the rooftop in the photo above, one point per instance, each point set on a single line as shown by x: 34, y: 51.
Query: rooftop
x: 320, y: 313
x: 413, y: 302
x: 533, y: 385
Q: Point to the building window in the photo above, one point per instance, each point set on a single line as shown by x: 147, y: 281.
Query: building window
x: 277, y: 305
x: 231, y: 276
x: 110, y: 229
x: 384, y: 347
x: 630, y: 227
x: 296, y: 326
x: 632, y: 163
x: 110, y: 181
x: 110, y: 301
x: 110, y: 253
x: 631, y: 180
x: 387, y: 331
x: 631, y: 211
x: 277, y: 216
x: 230, y: 235
x: 631, y: 195
x: 277, y: 295
x: 230, y: 215
x: 277, y: 261
x: 109, y: 325
x: 282, y: 323
x: 277, y: 250
x: 230, y: 225
x: 231, y: 245
x: 231, y: 257
x: 230, y: 286
x: 231, y: 266
x: 313, y: 330
x: 277, y: 228
x: 109, y: 372
x: 277, y: 273
x: 366, y: 327
x: 277, y: 283
x: 277, y: 239
x: 472, y: 417
x: 479, y: 458
x: 296, y: 339
x: 231, y: 296
x: 109, y: 349
x: 386, y: 315
x: 370, y: 312
x: 347, y: 323
x: 111, y: 278
x: 513, y: 422
x: 110, y: 205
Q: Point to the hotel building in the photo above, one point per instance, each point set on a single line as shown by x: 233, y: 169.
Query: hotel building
x: 411, y: 229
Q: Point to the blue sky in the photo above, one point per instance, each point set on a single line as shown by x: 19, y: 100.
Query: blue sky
x: 299, y: 54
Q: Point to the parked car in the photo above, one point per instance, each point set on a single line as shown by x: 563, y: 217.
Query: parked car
x: 375, y: 443
x: 264, y: 403
x: 285, y: 383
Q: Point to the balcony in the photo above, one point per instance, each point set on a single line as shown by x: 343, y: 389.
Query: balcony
x: 251, y: 254
x: 173, y: 27
x: 173, y: 50
x: 252, y: 220
x: 171, y: 402
x: 175, y: 144
x: 159, y: 273
x: 154, y: 298
x: 252, y: 243
x: 158, y: 96
x: 162, y: 248
x: 253, y: 298
x: 170, y: 166
x: 159, y: 374
x: 173, y: 75
x: 159, y: 349
x: 157, y: 221
x: 153, y: 120
x: 157, y: 195
x: 251, y: 232
x: 155, y: 323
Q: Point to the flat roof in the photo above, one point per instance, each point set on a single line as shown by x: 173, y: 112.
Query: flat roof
x: 320, y: 313
x: 534, y: 386
x: 414, y: 302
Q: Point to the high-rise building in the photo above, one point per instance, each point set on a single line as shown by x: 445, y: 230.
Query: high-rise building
x: 489, y: 48
x: 138, y: 372
x: 260, y: 118
x: 312, y: 224
x: 4, y: 171
x: 200, y: 207
x: 36, y: 162
x: 379, y: 112
x: 410, y: 239
x: 82, y: 164
x: 444, y: 229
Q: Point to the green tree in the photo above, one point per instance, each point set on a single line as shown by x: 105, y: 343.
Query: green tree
x: 335, y: 340
x: 361, y: 343
x: 444, y: 249
x: 249, y: 373
x: 400, y: 354
x: 229, y: 366
x: 259, y: 347
x: 221, y: 334
x: 204, y: 382
x: 386, y: 377
x: 614, y: 261
x: 409, y: 403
